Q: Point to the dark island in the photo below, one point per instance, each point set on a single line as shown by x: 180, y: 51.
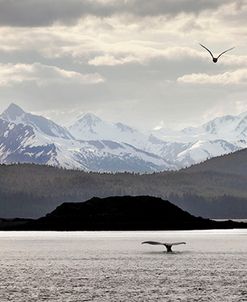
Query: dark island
x: 120, y: 213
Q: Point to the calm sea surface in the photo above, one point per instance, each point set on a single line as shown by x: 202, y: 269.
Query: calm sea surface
x: 114, y: 266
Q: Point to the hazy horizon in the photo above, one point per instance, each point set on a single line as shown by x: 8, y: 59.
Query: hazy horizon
x: 69, y: 121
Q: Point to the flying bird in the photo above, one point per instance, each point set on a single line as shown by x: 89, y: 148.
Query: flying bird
x: 215, y: 59
x: 166, y: 244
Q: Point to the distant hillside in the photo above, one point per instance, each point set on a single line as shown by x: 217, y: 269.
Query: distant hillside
x: 214, y: 189
x: 234, y: 163
x: 122, y: 213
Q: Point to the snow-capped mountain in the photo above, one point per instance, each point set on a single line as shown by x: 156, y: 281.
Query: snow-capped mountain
x: 16, y: 146
x: 202, y: 150
x: 183, y: 148
x: 91, y: 127
x: 47, y: 127
x: 229, y: 128
x: 219, y: 136
x: 24, y: 139
x: 92, y: 144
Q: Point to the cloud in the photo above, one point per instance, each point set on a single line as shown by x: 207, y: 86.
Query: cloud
x: 234, y: 60
x: 236, y: 77
x: 115, y: 41
x: 43, y: 75
x: 133, y: 53
x: 54, y: 52
x: 109, y: 60
x: 46, y: 12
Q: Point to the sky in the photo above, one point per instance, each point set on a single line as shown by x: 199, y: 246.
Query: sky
x: 134, y: 61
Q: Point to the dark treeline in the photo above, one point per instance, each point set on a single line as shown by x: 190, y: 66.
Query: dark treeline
x: 28, y: 190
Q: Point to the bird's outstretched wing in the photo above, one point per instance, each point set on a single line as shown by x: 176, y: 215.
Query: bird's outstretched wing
x: 153, y: 242
x: 225, y: 52
x: 207, y: 50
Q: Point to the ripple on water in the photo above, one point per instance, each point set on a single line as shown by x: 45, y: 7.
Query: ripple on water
x: 77, y: 267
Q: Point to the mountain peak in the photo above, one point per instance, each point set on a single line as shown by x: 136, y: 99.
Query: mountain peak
x: 90, y: 117
x: 16, y: 115
x: 89, y: 120
x: 86, y: 125
x: 12, y: 112
x: 124, y: 128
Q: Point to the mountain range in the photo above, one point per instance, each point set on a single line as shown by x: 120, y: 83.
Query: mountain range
x: 92, y: 144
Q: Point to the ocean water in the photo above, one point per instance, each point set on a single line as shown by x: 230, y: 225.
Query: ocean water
x: 114, y: 266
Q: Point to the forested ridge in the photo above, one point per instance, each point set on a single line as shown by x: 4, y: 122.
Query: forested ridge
x: 209, y: 190
x: 119, y: 213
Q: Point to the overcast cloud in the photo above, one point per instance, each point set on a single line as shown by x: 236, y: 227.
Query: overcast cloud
x: 47, y: 12
x: 135, y: 61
